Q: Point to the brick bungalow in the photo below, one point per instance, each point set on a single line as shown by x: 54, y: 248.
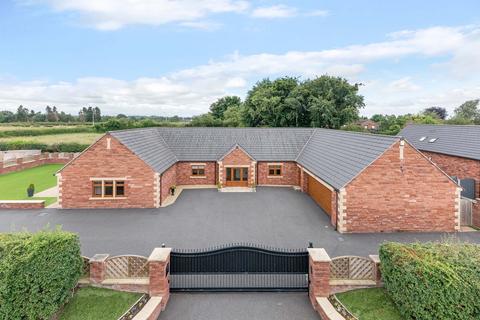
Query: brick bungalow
x: 456, y: 150
x: 364, y: 182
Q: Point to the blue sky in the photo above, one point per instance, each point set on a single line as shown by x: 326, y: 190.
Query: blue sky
x: 176, y: 57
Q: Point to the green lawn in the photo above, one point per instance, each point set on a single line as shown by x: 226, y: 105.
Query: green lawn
x: 98, y: 304
x: 370, y: 304
x: 13, y: 186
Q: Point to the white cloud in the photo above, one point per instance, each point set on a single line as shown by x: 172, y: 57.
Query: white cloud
x: 276, y: 11
x: 115, y: 14
x: 190, y: 91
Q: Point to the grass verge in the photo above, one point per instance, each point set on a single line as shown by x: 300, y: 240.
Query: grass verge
x: 370, y: 304
x: 98, y: 304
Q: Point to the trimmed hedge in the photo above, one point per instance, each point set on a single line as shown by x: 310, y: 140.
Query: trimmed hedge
x: 43, y: 131
x: 433, y: 281
x: 37, y: 273
x: 26, y: 145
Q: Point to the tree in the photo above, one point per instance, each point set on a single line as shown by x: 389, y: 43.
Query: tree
x: 233, y: 117
x: 22, y: 114
x: 219, y: 107
x: 7, y: 116
x: 440, y: 112
x: 205, y: 120
x: 469, y: 110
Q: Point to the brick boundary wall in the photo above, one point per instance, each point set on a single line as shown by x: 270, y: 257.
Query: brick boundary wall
x: 22, y: 204
x: 36, y: 160
x: 462, y: 168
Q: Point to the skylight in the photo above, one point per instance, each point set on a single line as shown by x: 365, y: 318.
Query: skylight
x: 422, y: 138
x: 432, y: 140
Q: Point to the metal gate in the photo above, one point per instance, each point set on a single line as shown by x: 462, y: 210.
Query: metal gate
x: 240, y: 267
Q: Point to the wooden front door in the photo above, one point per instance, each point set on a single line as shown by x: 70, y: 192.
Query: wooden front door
x: 236, y: 177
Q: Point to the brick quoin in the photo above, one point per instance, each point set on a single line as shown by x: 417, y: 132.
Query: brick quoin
x: 457, y: 166
x: 290, y: 174
x: 385, y: 197
x: 100, y: 162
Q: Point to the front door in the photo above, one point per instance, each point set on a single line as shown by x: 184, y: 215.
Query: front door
x: 237, y: 177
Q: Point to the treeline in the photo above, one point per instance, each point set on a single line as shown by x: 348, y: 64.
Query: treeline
x: 328, y: 102
x: 467, y: 113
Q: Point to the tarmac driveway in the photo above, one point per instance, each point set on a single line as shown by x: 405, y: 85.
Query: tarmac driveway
x: 279, y: 217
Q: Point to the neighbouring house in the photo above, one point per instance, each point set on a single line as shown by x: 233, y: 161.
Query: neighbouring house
x: 363, y: 182
x: 454, y: 148
x: 368, y: 124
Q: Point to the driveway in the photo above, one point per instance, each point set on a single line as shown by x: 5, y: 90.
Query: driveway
x: 239, y: 306
x: 279, y: 217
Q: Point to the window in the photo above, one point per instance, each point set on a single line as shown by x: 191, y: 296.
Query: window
x: 432, y: 140
x: 198, y: 170
x: 275, y: 170
x: 422, y: 138
x: 108, y: 189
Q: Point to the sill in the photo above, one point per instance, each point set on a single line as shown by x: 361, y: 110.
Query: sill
x: 198, y: 177
x: 108, y: 198
x: 273, y: 177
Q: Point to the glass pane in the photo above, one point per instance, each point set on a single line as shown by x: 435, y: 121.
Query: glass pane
x: 271, y: 172
x: 229, y: 174
x: 278, y: 172
x: 108, y: 191
x: 97, y: 191
x: 245, y: 174
x: 120, y: 190
x: 201, y: 172
x: 236, y: 174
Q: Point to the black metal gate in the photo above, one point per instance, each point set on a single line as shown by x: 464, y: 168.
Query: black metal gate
x: 240, y: 267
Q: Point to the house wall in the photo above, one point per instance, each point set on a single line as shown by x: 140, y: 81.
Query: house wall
x: 237, y: 157
x: 396, y: 195
x: 184, y: 173
x: 457, y: 166
x: 167, y: 179
x: 75, y: 186
x: 290, y: 174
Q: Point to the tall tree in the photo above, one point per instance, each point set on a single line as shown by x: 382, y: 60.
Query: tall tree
x: 22, y: 114
x: 469, y: 110
x: 439, y: 112
x: 219, y: 107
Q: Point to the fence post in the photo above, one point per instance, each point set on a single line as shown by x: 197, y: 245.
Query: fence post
x: 158, y: 273
x: 97, y: 268
x: 319, y: 273
x: 376, y: 271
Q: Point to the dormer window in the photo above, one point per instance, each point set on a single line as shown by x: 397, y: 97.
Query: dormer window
x: 422, y: 138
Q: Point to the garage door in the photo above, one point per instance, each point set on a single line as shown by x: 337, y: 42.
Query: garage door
x: 321, y: 194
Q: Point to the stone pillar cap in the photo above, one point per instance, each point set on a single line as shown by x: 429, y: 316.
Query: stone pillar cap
x: 99, y: 257
x: 160, y: 254
x: 375, y: 258
x: 319, y: 254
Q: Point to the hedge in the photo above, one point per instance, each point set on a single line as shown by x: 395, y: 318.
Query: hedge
x: 27, y: 145
x: 43, y: 131
x: 432, y: 281
x: 37, y: 273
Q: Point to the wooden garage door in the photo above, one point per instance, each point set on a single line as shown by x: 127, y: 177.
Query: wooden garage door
x: 321, y: 194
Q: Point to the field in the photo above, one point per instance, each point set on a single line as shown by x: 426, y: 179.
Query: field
x: 82, y: 138
x: 98, y: 304
x: 13, y: 186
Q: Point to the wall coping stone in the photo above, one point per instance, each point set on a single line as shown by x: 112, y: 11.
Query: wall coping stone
x: 159, y: 254
x: 126, y: 281
x: 375, y: 258
x: 319, y: 255
x: 22, y: 201
x: 99, y: 257
x: 329, y: 309
x: 147, y: 311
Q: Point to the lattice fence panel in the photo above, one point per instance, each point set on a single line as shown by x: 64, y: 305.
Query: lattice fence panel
x: 352, y: 268
x: 121, y: 267
x: 86, y: 267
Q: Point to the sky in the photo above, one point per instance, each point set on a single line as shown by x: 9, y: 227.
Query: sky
x: 166, y: 57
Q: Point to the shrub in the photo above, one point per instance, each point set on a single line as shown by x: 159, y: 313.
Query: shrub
x: 43, y: 131
x: 37, y: 273
x: 27, y: 145
x: 433, y: 280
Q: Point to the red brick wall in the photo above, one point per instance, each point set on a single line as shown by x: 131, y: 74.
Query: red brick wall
x: 237, y: 157
x: 385, y: 198
x: 167, y: 179
x: 100, y: 162
x: 19, y: 204
x: 184, y: 174
x: 290, y: 174
x: 456, y: 166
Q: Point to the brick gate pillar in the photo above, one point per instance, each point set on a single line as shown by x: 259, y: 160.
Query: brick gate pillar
x: 158, y: 273
x: 319, y: 272
x: 376, y: 271
x: 97, y: 268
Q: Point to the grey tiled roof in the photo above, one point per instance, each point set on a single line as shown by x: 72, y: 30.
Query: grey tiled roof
x: 333, y: 155
x: 456, y: 140
x: 338, y: 156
